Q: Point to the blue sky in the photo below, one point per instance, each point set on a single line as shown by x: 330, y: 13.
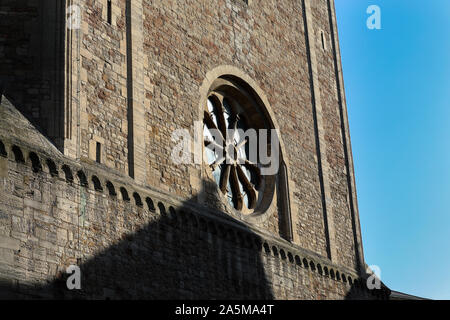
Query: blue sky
x: 397, y: 83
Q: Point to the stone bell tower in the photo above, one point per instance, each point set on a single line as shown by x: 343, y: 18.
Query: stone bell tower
x: 92, y: 93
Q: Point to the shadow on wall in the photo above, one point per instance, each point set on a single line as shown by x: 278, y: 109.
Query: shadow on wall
x: 179, y: 255
x: 32, y: 36
x: 175, y: 254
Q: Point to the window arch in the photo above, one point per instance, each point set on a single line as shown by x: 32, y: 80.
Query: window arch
x: 232, y: 118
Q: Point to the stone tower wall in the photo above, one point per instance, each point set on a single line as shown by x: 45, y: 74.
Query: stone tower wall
x: 129, y: 83
x: 140, y: 243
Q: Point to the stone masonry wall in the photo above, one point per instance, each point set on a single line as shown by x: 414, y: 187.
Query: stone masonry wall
x: 139, y: 243
x: 104, y: 84
x: 333, y: 136
x: 183, y: 40
x: 131, y: 83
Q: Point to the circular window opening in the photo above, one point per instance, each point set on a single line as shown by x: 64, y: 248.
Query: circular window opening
x: 231, y: 113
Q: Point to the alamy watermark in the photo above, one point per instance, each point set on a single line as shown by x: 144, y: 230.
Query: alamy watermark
x: 374, y: 20
x: 374, y: 280
x: 237, y: 147
x: 74, y: 280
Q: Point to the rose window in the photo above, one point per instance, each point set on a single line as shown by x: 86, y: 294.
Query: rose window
x: 228, y: 108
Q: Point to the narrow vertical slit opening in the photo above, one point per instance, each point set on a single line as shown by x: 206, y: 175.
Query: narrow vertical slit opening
x: 98, y: 153
x: 323, y: 40
x: 109, y: 13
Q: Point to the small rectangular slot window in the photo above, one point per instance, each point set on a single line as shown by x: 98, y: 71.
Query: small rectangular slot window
x: 98, y: 153
x: 323, y: 40
x: 109, y: 12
